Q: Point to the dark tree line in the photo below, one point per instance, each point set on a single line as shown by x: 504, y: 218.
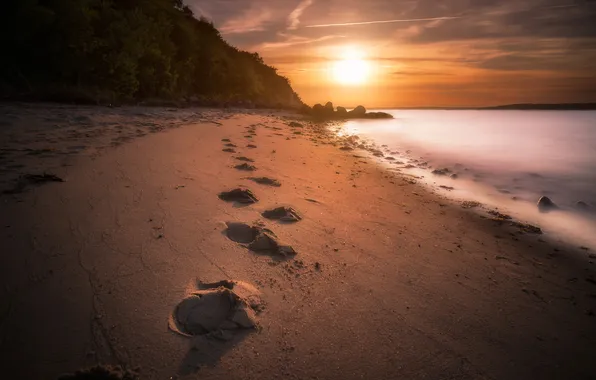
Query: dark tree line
x: 127, y: 50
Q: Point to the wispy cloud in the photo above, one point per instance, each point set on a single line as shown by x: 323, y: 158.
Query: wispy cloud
x: 296, y: 40
x: 294, y: 18
x: 384, y: 22
x: 253, y: 20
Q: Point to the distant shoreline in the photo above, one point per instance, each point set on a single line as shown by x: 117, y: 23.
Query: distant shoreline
x: 513, y: 107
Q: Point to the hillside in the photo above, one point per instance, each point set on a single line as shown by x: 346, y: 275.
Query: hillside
x: 102, y: 51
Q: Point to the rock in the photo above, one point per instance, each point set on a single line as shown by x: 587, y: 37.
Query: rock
x: 454, y: 176
x: 359, y: 111
x: 443, y: 171
x: 377, y: 115
x: 342, y: 113
x: 329, y: 109
x: 318, y: 111
x: 545, y: 204
x: 581, y: 205
x: 295, y: 124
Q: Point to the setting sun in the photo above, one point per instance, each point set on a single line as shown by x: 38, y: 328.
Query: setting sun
x: 352, y: 69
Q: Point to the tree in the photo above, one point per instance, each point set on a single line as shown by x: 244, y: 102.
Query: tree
x: 127, y: 50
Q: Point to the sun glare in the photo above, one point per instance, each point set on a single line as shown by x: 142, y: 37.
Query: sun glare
x: 352, y: 69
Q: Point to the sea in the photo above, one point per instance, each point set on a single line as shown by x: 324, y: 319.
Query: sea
x: 504, y: 159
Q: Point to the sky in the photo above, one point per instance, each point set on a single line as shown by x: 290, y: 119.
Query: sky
x: 420, y: 52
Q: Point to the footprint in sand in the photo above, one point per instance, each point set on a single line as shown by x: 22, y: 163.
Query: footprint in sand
x: 283, y: 214
x: 230, y: 145
x: 245, y: 167
x: 246, y: 159
x: 251, y: 146
x: 258, y: 239
x: 229, y: 150
x: 239, y: 195
x: 266, y: 181
x: 225, y: 140
x: 217, y: 310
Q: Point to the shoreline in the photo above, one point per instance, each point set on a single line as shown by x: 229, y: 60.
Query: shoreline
x: 474, y: 176
x: 389, y: 280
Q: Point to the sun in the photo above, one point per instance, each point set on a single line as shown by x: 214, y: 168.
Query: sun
x: 352, y: 69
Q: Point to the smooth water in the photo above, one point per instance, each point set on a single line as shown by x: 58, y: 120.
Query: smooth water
x: 507, y: 159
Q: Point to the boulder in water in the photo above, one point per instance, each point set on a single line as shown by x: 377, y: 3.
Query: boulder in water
x: 546, y: 204
x: 377, y: 115
x: 342, y: 113
x: 359, y: 111
x: 443, y: 171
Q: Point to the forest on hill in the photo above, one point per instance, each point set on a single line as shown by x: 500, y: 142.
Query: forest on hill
x: 124, y: 51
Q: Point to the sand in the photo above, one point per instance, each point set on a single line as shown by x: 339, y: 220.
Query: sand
x: 389, y: 280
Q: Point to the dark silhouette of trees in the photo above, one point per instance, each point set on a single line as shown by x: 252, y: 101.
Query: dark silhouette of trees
x: 110, y: 51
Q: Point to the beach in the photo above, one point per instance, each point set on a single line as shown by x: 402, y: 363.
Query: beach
x: 387, y: 279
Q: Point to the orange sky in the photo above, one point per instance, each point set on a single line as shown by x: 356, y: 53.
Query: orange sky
x: 421, y: 52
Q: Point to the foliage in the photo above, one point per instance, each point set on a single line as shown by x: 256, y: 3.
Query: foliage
x: 127, y: 50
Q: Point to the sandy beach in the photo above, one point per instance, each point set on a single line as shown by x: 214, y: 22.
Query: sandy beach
x: 385, y: 280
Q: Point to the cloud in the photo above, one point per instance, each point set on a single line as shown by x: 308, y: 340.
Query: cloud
x: 253, y: 20
x: 383, y: 22
x: 294, y: 18
x: 302, y: 58
x: 527, y: 46
x: 292, y: 40
x: 537, y: 18
x: 420, y: 73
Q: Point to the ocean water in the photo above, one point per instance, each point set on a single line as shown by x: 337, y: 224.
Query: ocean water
x: 503, y: 159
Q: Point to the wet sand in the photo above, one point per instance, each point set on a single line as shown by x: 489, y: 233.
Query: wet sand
x: 385, y: 279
